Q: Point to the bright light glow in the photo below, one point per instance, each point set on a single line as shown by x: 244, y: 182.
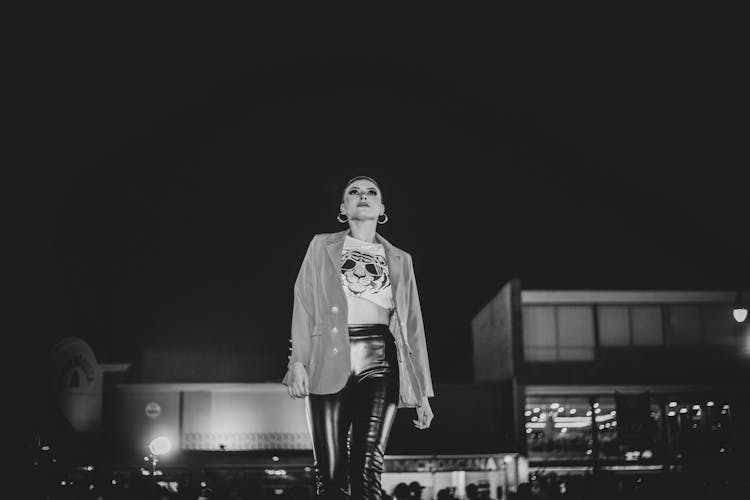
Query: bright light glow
x: 527, y: 413
x: 90, y: 467
x: 598, y: 411
x: 696, y: 407
x: 203, y: 484
x: 45, y: 448
x: 740, y: 314
x: 146, y: 459
x: 726, y: 407
x: 114, y: 481
x: 91, y: 487
x: 613, y: 412
x: 672, y: 404
x: 647, y: 454
x: 537, y: 410
x: 601, y: 427
x: 63, y: 483
x: 573, y: 411
x: 671, y: 414
x: 560, y: 410
x: 721, y: 450
x: 145, y: 472
x: 683, y: 410
x: 528, y: 431
x: 564, y: 429
x: 160, y: 446
x: 596, y: 405
x: 534, y: 419
x: 723, y: 412
x: 710, y: 403
x: 588, y: 413
x: 275, y: 458
x: 555, y: 406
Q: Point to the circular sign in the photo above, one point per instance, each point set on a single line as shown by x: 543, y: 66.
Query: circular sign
x: 153, y: 410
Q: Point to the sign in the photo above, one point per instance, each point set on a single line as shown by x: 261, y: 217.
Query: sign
x: 438, y: 464
x: 153, y: 410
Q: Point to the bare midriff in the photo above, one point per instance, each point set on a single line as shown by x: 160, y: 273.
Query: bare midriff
x: 366, y: 312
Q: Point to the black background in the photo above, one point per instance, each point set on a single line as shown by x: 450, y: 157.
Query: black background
x: 177, y: 166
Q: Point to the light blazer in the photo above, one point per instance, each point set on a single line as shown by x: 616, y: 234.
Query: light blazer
x: 320, y: 338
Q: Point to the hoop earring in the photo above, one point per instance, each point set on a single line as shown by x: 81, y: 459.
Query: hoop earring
x: 386, y: 219
x: 338, y: 218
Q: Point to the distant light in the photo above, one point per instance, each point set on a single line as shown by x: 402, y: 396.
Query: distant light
x: 740, y: 308
x: 710, y: 403
x: 114, y: 481
x: 160, y: 446
x: 45, y: 447
x: 726, y: 407
x: 588, y: 413
x: 598, y: 410
x: 596, y: 405
x: 560, y: 410
x: 740, y: 314
x: 307, y: 469
x: 144, y: 472
x: 588, y: 452
x: 721, y: 450
x: 275, y: 458
x: 696, y: 407
x: 527, y: 413
x: 528, y: 431
x: 671, y: 414
x: 534, y: 419
x: 555, y: 406
x: 564, y: 429
x: 63, y: 483
x: 647, y: 454
x: 683, y: 410
x: 203, y: 484
x: 91, y: 487
x: 613, y: 412
x: 90, y: 468
x: 573, y: 411
x: 601, y: 427
x: 672, y: 404
x: 146, y: 459
x: 614, y: 424
x: 723, y: 412
x: 537, y: 410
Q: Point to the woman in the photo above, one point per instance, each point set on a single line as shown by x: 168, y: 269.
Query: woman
x: 358, y: 346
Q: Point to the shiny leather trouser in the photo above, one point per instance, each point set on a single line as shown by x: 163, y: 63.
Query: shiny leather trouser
x: 366, y: 406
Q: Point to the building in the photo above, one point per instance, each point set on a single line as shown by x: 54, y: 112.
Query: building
x: 618, y: 380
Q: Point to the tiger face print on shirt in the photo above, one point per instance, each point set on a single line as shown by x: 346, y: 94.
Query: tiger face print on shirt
x: 364, y: 272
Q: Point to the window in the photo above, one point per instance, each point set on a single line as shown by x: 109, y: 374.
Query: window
x: 558, y: 333
x: 621, y: 326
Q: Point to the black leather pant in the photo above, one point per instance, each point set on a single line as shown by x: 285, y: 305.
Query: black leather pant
x: 367, y: 406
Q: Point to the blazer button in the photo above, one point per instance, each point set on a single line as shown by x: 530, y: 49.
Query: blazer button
x: 334, y: 330
x: 334, y: 309
x: 335, y: 350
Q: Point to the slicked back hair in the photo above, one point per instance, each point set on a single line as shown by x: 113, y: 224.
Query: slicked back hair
x: 360, y: 178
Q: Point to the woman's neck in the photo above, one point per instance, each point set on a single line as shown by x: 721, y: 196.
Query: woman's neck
x: 362, y: 230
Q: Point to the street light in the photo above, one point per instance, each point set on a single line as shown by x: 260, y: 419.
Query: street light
x: 158, y: 446
x: 740, y: 308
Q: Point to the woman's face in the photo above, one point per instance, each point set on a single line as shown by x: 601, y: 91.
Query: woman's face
x: 362, y: 201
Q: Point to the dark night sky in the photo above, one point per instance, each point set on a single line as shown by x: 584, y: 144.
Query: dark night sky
x: 180, y: 171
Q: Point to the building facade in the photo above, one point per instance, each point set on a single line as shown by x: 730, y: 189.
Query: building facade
x: 618, y: 380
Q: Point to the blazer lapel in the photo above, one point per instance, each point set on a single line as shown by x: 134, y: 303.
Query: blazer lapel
x: 393, y: 257
x: 334, y: 245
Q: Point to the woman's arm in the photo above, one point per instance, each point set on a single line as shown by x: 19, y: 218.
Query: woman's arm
x: 416, y: 337
x: 303, y: 319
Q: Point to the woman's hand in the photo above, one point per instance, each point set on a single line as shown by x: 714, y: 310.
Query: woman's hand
x: 299, y: 386
x: 424, y: 415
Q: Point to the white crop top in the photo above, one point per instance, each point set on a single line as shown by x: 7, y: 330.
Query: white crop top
x: 364, y: 272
